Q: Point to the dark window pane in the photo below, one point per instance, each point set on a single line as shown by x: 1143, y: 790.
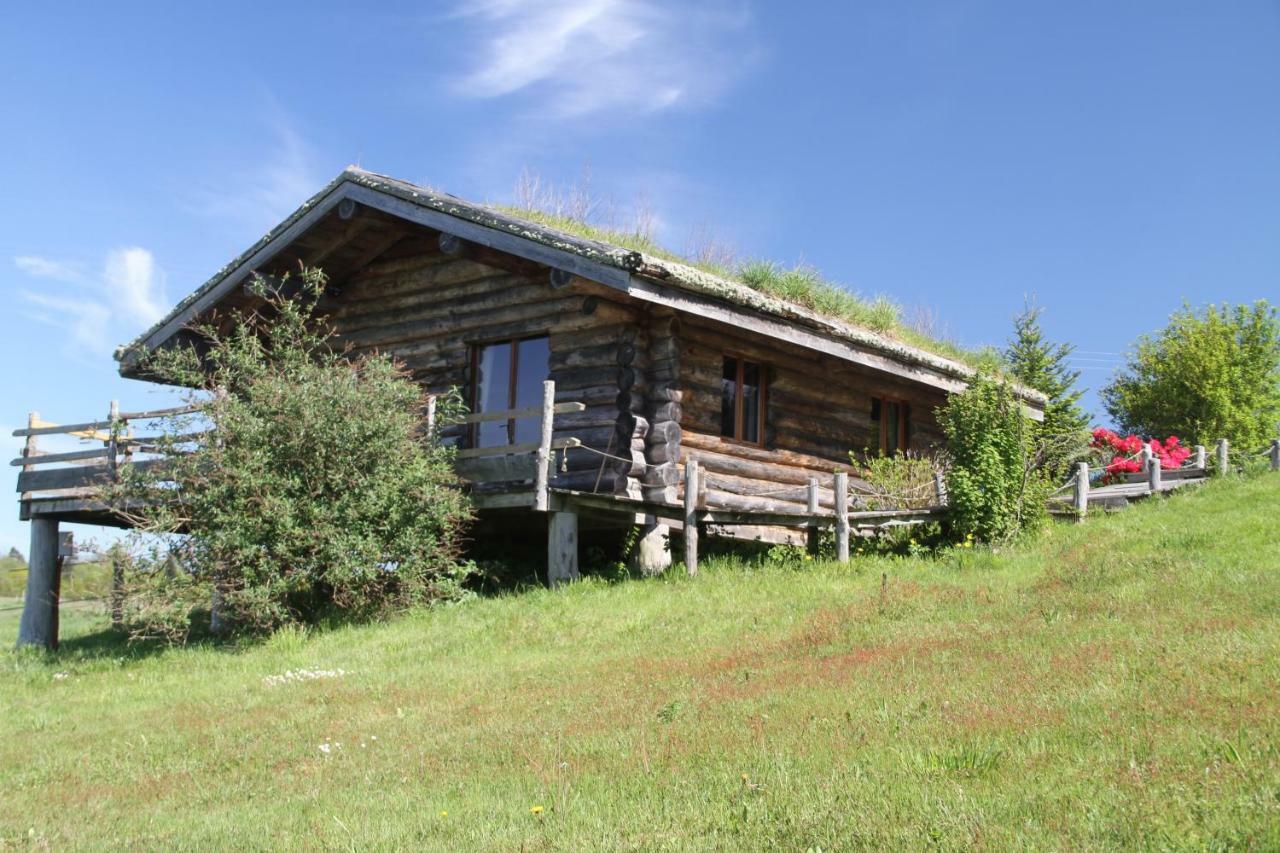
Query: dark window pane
x: 875, y: 408
x: 493, y: 391
x: 906, y: 427
x: 750, y: 401
x: 729, y: 398
x: 891, y: 426
x: 532, y: 369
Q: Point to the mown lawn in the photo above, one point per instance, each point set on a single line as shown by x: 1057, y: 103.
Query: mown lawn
x: 1114, y: 684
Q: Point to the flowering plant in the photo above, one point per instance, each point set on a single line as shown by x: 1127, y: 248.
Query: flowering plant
x: 1124, y: 451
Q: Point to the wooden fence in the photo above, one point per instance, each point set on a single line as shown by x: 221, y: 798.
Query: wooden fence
x: 83, y: 473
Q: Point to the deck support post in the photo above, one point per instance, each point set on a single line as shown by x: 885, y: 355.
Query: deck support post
x: 653, y: 552
x: 562, y: 548
x: 1223, y: 456
x: 1082, y: 490
x: 691, y: 517
x: 1275, y: 454
x: 1153, y: 474
x: 39, y: 624
x: 1201, y: 458
x: 842, y: 516
x: 542, y: 492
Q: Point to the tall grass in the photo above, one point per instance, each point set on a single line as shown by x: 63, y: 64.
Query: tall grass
x: 1107, y: 685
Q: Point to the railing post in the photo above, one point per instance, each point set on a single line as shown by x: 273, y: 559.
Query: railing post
x: 691, y: 517
x: 1275, y: 454
x: 811, y: 507
x: 1153, y: 474
x: 113, y: 448
x: 939, y: 488
x: 542, y: 492
x: 1223, y: 456
x: 1144, y: 457
x: 31, y: 447
x: 1201, y: 458
x: 431, y: 418
x: 1082, y: 490
x: 842, y: 516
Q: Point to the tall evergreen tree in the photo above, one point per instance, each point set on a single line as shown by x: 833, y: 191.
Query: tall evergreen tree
x: 1042, y: 365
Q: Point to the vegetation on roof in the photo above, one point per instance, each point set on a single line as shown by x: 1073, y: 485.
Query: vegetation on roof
x: 801, y: 285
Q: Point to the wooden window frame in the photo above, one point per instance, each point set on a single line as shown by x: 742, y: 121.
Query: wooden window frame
x: 739, y: 400
x: 513, y: 380
x: 903, y: 426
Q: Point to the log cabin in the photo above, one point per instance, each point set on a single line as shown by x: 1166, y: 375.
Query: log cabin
x: 659, y: 369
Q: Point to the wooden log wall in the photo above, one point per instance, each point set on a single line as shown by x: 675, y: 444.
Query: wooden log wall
x: 817, y: 409
x: 429, y: 308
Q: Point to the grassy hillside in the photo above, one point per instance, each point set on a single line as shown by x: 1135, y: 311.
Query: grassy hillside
x: 1110, y: 685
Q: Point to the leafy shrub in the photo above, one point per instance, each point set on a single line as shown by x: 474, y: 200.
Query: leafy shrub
x: 314, y: 490
x: 902, y: 480
x: 993, y: 490
x: 1207, y: 375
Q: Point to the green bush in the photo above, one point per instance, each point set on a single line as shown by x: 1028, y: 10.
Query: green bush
x: 993, y: 489
x: 897, y: 481
x: 315, y: 491
x: 1207, y: 375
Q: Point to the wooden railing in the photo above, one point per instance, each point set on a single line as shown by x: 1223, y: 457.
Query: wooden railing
x: 517, y: 462
x: 81, y: 473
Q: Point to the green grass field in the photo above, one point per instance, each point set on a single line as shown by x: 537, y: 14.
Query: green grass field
x: 1113, y: 684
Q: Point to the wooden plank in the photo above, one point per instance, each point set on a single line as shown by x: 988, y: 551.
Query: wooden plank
x: 50, y: 458
x: 517, y: 414
x: 514, y: 449
x: 503, y: 500
x: 497, y: 469
x: 63, y: 478
x: 160, y: 413
x: 90, y: 427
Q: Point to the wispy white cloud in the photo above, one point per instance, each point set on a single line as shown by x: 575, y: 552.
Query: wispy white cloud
x: 284, y: 175
x: 576, y: 57
x: 136, y: 285
x: 126, y: 296
x: 41, y: 267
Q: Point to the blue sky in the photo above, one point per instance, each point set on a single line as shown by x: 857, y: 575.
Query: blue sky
x: 1111, y: 159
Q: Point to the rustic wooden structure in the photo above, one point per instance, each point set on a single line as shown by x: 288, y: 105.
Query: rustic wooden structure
x: 696, y: 401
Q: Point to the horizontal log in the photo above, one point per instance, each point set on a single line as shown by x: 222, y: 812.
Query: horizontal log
x: 490, y: 469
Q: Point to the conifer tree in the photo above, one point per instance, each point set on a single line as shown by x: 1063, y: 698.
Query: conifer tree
x: 1042, y: 365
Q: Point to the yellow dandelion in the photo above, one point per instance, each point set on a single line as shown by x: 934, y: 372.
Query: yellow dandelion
x: 536, y: 810
x: 444, y: 814
x: 744, y: 777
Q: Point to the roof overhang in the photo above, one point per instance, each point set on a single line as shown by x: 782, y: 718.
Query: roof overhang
x: 647, y: 279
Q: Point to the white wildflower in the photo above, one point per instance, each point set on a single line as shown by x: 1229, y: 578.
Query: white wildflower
x: 296, y: 676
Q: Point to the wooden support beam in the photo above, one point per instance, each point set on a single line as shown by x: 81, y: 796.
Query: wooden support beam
x: 1153, y: 474
x: 1224, y: 457
x: 38, y: 626
x: 691, y: 517
x: 450, y: 244
x: 560, y: 278
x: 842, y: 516
x: 562, y: 548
